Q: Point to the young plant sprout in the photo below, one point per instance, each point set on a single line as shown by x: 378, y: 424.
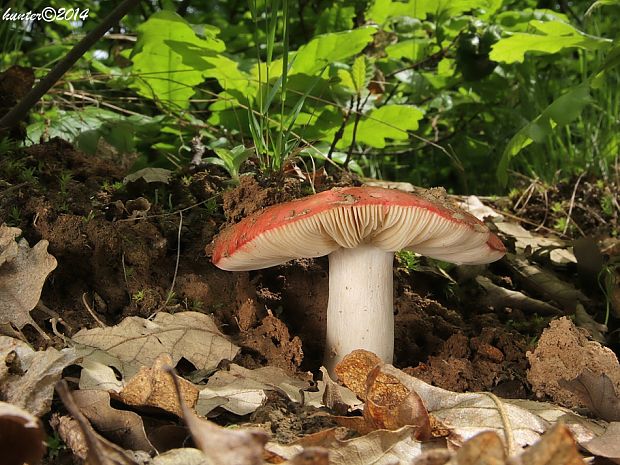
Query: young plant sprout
x: 359, y: 229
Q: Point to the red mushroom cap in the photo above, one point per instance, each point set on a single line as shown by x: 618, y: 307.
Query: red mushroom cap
x: 347, y: 217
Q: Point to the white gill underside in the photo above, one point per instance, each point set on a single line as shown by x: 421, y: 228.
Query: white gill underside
x: 390, y: 230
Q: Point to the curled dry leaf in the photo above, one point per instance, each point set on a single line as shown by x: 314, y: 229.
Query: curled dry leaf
x: 242, y: 391
x: 22, y: 438
x: 27, y: 377
x: 221, y: 445
x: 333, y: 396
x: 563, y: 352
x: 354, y: 369
x: 390, y: 404
x: 153, y: 387
x: 23, y: 271
x: 136, y: 342
x: 100, y: 451
x: 122, y: 427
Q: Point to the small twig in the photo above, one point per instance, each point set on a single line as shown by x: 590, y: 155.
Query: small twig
x: 339, y: 133
x: 92, y: 312
x: 176, y: 267
x: 125, y: 276
x: 358, y: 116
x: 572, y: 204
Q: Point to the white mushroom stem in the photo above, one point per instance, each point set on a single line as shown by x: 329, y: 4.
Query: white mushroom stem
x: 360, y: 312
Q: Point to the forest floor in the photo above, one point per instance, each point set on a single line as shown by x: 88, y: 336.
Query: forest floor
x: 139, y: 247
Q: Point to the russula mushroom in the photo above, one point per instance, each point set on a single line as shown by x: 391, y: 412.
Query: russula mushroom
x: 359, y: 228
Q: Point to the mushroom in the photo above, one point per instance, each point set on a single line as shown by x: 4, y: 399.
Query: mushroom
x: 359, y: 229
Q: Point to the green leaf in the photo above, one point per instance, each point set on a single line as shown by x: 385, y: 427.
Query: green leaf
x: 411, y: 49
x: 387, y: 122
x: 556, y: 36
x: 383, y: 10
x: 600, y: 3
x: 358, y: 73
x: 335, y: 18
x: 560, y: 113
x: 313, y: 57
x: 164, y: 74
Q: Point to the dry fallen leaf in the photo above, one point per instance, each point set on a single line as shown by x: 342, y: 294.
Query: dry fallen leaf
x: 556, y: 447
x: 27, y: 377
x: 122, y: 427
x: 519, y: 423
x: 563, y: 352
x: 22, y: 437
x: 596, y: 392
x: 525, y: 239
x: 100, y: 451
x: 333, y: 396
x: 485, y: 448
x: 391, y: 405
x: 23, y: 271
x: 222, y: 445
x: 185, y: 456
x: 242, y: 391
x: 606, y: 445
x: 380, y: 447
x: 153, y: 387
x: 136, y: 342
x: 354, y: 369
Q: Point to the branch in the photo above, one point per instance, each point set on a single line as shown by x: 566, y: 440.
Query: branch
x: 19, y: 111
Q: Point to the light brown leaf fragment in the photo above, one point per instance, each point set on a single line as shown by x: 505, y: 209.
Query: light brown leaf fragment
x: 153, y: 387
x: 332, y: 395
x: 596, y: 392
x: 100, y: 450
x: 354, y: 368
x: 608, y: 444
x: 28, y: 379
x: 485, y: 448
x: 221, y: 445
x: 185, y: 456
x: 137, y: 342
x: 556, y: 447
x: 122, y: 427
x: 390, y: 404
x: 23, y: 271
x: 564, y: 352
x: 22, y: 438
x: 242, y: 391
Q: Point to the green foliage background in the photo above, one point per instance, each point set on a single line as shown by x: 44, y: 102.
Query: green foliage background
x: 459, y: 93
